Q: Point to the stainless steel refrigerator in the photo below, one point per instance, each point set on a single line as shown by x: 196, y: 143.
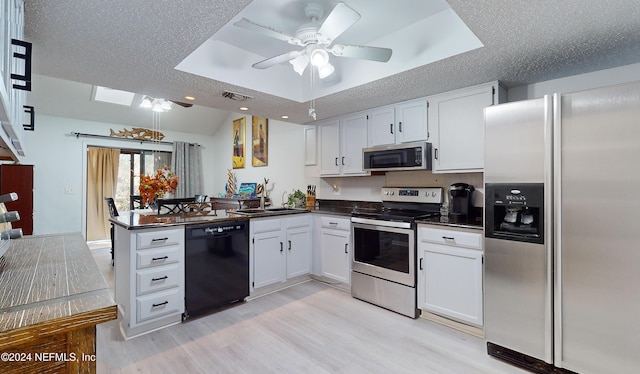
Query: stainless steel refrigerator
x: 562, y: 231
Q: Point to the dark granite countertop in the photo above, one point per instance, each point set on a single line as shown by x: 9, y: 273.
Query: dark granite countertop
x: 143, y: 220
x: 149, y: 219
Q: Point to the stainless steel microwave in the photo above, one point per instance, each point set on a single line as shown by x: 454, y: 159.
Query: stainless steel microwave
x: 406, y: 156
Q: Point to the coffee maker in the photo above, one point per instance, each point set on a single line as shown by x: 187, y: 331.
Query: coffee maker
x: 460, y: 201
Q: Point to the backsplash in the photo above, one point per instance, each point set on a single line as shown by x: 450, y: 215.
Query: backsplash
x: 368, y: 188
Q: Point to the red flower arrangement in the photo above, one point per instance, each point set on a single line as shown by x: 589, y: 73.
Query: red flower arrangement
x: 153, y: 187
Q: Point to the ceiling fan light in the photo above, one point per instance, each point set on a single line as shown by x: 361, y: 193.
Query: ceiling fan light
x: 300, y: 63
x: 166, y: 105
x: 157, y: 107
x: 319, y: 58
x: 325, y: 70
x: 146, y: 102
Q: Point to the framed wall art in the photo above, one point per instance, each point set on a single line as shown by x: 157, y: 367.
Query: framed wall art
x: 259, y: 141
x: 238, y: 133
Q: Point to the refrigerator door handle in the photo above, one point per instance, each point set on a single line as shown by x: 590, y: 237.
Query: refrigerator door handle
x: 557, y: 227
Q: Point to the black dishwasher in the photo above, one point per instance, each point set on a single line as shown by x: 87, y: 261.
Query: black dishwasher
x: 216, y: 266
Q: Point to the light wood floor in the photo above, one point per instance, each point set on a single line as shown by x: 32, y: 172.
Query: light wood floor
x: 307, y: 328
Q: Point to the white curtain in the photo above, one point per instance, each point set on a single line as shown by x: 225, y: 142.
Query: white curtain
x: 186, y: 163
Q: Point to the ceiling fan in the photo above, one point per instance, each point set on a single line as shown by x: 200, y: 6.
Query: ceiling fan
x: 316, y: 40
x: 161, y: 105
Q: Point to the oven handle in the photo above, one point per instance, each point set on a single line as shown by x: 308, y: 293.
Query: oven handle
x: 375, y: 222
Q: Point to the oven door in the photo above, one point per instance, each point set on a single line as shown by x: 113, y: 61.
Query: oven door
x: 384, y: 250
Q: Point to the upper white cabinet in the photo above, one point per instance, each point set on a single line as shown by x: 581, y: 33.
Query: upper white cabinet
x: 400, y: 123
x: 456, y: 122
x: 341, y: 143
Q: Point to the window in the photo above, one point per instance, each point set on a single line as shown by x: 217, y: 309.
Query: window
x: 134, y: 162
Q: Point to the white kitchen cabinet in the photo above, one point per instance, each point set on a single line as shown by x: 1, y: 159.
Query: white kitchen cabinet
x: 329, y: 147
x: 341, y: 143
x: 310, y: 145
x: 335, y: 248
x: 280, y: 249
x: 450, y: 273
x: 149, y: 281
x: 400, y: 123
x: 381, y: 126
x: 456, y: 121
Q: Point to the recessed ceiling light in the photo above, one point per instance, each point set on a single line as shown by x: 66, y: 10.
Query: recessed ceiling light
x: 190, y: 98
x: 284, y: 117
x: 244, y: 108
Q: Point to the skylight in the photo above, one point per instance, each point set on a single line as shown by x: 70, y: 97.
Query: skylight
x: 113, y: 96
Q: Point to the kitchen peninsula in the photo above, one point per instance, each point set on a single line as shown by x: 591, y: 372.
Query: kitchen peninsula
x: 161, y: 260
x: 53, y: 296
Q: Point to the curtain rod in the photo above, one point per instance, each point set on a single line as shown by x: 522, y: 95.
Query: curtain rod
x: 141, y: 141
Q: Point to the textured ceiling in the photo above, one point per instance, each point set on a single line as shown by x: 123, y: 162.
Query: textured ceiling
x: 135, y: 45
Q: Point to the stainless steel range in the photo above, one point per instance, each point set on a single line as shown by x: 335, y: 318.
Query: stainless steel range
x: 384, y: 266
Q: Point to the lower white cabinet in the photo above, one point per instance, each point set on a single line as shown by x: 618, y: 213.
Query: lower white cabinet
x: 149, y: 279
x: 450, y: 273
x: 335, y: 248
x: 280, y: 249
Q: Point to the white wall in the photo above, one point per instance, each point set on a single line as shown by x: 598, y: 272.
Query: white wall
x: 285, y: 166
x: 574, y: 83
x: 60, y: 164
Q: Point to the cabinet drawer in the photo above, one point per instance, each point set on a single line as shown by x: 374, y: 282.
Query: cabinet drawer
x: 158, y: 257
x: 298, y: 220
x: 450, y: 237
x: 159, y: 238
x: 159, y: 304
x: 155, y: 279
x: 336, y: 223
x: 265, y: 225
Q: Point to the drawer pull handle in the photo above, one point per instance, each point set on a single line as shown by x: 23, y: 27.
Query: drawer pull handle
x: 421, y: 264
x: 281, y: 247
x: 333, y: 223
x: 289, y: 244
x: 159, y: 258
x: 346, y: 245
x: 160, y: 304
x: 448, y: 238
x: 159, y: 279
x: 159, y: 240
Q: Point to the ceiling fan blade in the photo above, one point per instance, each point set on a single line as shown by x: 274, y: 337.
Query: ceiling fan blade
x: 184, y: 105
x: 267, y: 31
x: 264, y: 64
x: 362, y: 52
x: 338, y: 21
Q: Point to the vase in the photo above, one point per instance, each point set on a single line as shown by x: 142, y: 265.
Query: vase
x: 153, y: 205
